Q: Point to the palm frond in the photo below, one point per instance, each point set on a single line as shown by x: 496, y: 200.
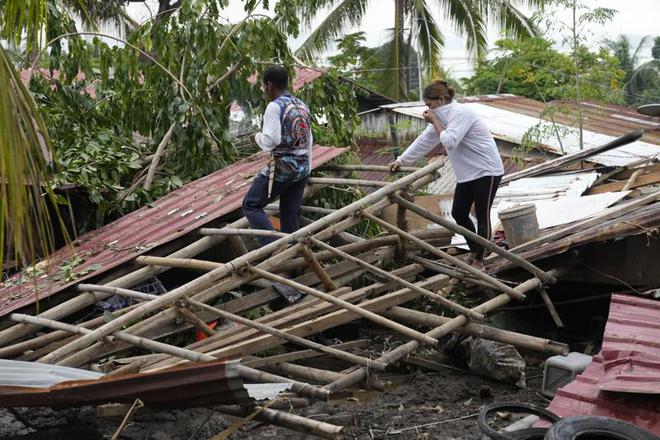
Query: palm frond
x: 468, y: 18
x: 635, y: 56
x: 21, y: 17
x: 346, y: 13
x: 429, y: 39
x: 24, y: 157
x: 511, y: 20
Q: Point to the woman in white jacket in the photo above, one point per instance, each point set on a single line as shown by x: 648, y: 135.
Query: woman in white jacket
x: 472, y: 153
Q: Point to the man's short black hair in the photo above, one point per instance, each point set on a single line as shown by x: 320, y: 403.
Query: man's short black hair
x: 277, y: 76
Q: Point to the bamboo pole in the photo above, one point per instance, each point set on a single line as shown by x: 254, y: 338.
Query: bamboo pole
x: 257, y: 362
x: 331, y: 222
x: 521, y: 262
x: 286, y: 420
x: 360, y: 167
x: 196, y: 322
x: 306, y: 373
x: 339, y: 181
x: 148, y: 344
x: 463, y: 265
x: 403, y: 283
x: 438, y: 332
x: 316, y: 267
x: 347, y: 306
x: 242, y: 232
x: 551, y: 308
x: 481, y: 331
x: 181, y: 263
x: 450, y: 271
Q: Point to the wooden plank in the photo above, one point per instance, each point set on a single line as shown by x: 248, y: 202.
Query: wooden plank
x: 643, y: 180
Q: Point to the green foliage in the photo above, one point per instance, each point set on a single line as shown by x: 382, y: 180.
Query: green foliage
x: 356, y: 61
x: 96, y: 118
x: 532, y: 68
x: 333, y: 104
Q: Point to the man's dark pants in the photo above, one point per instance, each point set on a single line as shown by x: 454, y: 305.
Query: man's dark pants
x: 290, y: 194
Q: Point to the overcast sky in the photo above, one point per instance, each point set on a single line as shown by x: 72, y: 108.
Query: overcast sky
x: 635, y: 18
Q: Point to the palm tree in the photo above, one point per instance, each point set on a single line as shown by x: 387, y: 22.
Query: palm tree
x: 622, y: 49
x: 415, y: 27
x: 644, y: 84
x: 24, y: 144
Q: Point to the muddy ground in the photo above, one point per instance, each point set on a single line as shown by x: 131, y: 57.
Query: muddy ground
x: 418, y: 403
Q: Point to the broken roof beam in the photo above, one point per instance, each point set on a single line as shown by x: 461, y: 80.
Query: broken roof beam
x: 435, y: 251
x: 242, y: 232
x: 438, y: 332
x: 568, y: 159
x: 515, y: 259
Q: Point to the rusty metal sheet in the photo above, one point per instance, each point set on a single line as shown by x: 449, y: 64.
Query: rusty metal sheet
x: 631, y: 346
x: 584, y: 397
x: 174, y: 215
x: 187, y: 385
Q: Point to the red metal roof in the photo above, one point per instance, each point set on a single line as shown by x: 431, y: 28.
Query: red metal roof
x: 631, y: 346
x: 583, y: 397
x: 629, y: 362
x: 188, y: 385
x: 176, y: 214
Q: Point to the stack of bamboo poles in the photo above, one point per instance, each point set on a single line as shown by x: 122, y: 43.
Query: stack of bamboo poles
x: 326, y: 272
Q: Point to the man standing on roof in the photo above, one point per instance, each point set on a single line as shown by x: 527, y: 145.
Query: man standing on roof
x: 473, y: 156
x: 287, y: 134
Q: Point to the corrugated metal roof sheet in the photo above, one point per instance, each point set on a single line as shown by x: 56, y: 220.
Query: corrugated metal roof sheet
x: 188, y: 385
x: 631, y: 334
x: 631, y: 346
x: 583, y: 397
x: 176, y: 214
x: 510, y: 124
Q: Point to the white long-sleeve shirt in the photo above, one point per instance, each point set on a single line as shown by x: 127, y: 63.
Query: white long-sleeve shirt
x: 271, y: 130
x: 470, y: 146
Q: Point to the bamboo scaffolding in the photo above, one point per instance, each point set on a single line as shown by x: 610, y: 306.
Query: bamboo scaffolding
x: 325, y: 321
x: 172, y: 350
x: 153, y: 326
x: 463, y: 265
x: 331, y: 222
x: 247, y: 341
x: 373, y: 317
x: 438, y: 332
x: 541, y: 274
x: 403, y: 283
x: 248, y: 323
x: 481, y: 331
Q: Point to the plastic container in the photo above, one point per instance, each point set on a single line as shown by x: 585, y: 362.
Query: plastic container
x: 561, y: 370
x: 520, y: 224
